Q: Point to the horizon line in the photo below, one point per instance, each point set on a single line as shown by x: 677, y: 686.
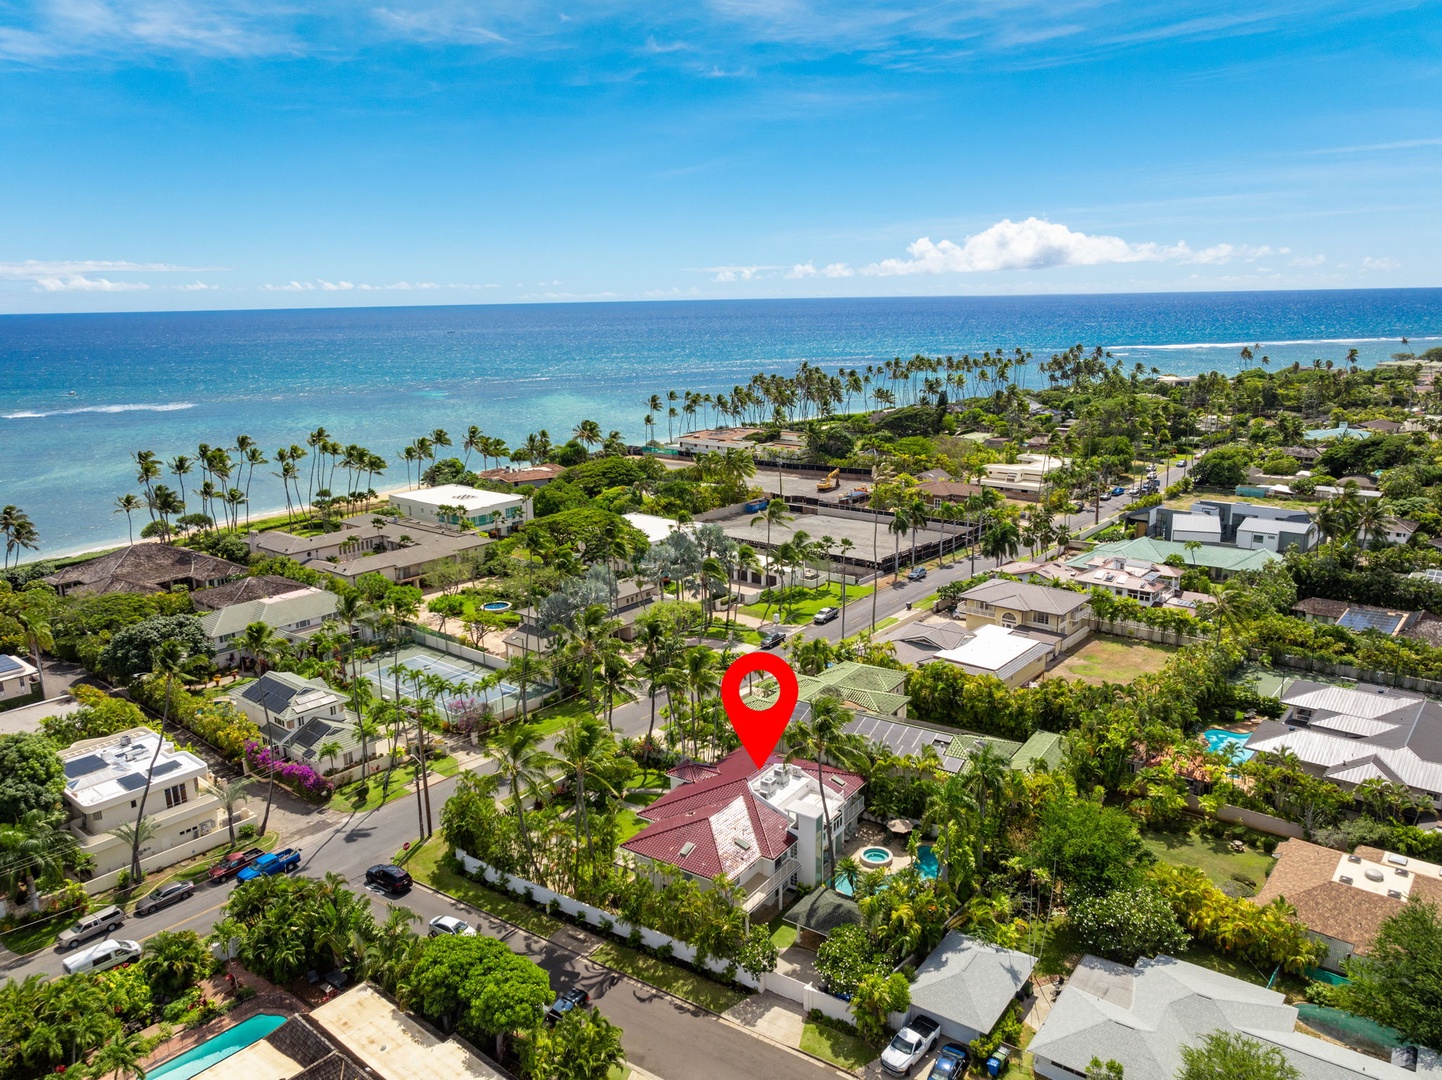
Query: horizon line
x: 720, y: 300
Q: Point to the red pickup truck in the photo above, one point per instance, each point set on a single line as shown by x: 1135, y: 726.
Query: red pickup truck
x: 234, y: 863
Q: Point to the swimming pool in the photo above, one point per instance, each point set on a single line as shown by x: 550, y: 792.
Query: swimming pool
x: 199, y: 1058
x: 1228, y: 742
x: 926, y: 865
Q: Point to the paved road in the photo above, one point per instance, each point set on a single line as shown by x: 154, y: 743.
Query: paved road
x: 663, y: 1035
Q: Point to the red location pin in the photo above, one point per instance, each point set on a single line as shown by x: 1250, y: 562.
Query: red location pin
x: 759, y: 729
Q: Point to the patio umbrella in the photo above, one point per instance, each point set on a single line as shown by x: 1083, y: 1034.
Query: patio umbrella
x: 899, y: 825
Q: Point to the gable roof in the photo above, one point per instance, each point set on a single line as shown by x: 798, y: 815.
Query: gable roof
x: 875, y: 689
x: 301, y: 603
x: 1213, y: 556
x: 1025, y: 596
x: 143, y: 568
x: 970, y: 981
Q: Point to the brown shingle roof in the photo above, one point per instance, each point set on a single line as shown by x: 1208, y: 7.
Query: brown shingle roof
x: 243, y: 591
x: 144, y: 568
x: 950, y: 490
x: 1303, y: 877
x: 1321, y: 607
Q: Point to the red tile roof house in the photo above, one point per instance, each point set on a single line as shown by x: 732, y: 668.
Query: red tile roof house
x: 763, y: 828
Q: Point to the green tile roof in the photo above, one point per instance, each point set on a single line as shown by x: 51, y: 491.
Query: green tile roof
x: 1211, y: 556
x: 1043, y: 746
x: 964, y: 741
x: 875, y: 689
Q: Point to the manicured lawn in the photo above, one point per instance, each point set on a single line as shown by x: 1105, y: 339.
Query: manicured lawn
x: 1214, y: 857
x: 200, y: 870
x: 837, y: 1047
x: 783, y: 935
x: 1114, y: 660
x: 555, y: 717
x: 650, y: 778
x: 372, y: 793
x: 424, y: 864
x: 804, y: 603
x: 1060, y: 950
x: 740, y: 633
x: 630, y: 825
x: 642, y: 798
x: 669, y: 977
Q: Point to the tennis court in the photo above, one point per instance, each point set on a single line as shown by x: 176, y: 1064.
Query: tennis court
x: 464, y: 678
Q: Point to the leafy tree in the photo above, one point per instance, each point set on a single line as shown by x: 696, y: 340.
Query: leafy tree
x: 875, y: 997
x: 1226, y: 1055
x: 174, y: 960
x: 1399, y: 983
x: 477, y: 986
x: 1095, y: 849
x: 847, y: 957
x: 31, y: 776
x: 1104, y: 1070
x: 583, y: 1045
x: 131, y: 650
x: 1225, y: 467
x: 1128, y: 923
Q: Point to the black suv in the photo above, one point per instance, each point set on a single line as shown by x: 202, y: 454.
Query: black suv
x: 391, y: 878
x: 573, y: 998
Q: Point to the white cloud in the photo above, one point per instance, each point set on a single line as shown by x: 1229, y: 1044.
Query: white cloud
x: 1369, y: 263
x: 1308, y: 260
x: 349, y: 286
x: 35, y: 269
x: 293, y: 286
x: 1035, y: 244
x: 808, y: 270
x: 740, y: 273
x: 195, y: 286
x: 81, y: 283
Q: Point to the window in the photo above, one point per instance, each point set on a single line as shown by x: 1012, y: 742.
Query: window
x: 176, y: 795
x: 1041, y: 618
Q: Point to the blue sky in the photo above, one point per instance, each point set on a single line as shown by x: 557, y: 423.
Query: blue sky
x: 260, y: 153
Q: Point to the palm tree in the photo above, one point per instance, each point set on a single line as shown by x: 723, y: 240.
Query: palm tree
x: 585, y: 748
x: 167, y: 663
x: 900, y: 524
x: 1193, y: 546
x: 520, y: 756
x: 774, y: 514
x: 1001, y: 541
x: 19, y: 533
x: 137, y: 834
x: 259, y: 641
x: 525, y: 671
x: 127, y: 504
x: 821, y: 738
x: 230, y: 796
x: 588, y: 434
x: 35, y: 847
x: 985, y: 774
x: 330, y: 750
x: 36, y: 628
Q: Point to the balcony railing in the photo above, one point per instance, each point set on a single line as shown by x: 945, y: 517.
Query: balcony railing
x: 757, y: 894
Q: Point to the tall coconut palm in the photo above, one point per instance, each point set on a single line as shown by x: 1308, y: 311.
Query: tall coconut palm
x: 36, y: 628
x: 167, y: 663
x: 35, y: 847
x: 127, y: 504
x: 585, y: 748
x: 901, y: 523
x: 521, y: 757
x: 231, y: 796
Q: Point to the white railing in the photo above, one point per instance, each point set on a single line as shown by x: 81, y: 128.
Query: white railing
x: 759, y: 895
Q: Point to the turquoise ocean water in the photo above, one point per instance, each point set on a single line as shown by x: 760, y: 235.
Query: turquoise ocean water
x: 381, y: 376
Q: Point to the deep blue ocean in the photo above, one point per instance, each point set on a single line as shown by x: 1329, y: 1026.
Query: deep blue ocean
x: 381, y: 376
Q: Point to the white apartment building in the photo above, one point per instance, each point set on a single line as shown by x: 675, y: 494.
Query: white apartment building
x: 1025, y: 478
x: 104, y: 781
x: 490, y: 511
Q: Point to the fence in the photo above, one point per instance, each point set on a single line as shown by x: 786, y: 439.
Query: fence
x: 1129, y: 629
x: 1350, y: 671
x: 1252, y: 819
x: 218, y: 838
x: 803, y: 993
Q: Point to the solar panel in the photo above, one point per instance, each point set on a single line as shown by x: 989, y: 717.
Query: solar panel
x: 1358, y: 619
x: 132, y: 781
x: 84, y: 766
x: 165, y: 767
x: 9, y: 664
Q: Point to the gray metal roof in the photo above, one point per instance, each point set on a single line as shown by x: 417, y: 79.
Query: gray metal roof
x: 969, y: 981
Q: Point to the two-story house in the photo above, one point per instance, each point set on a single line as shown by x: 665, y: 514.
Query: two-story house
x: 104, y: 781
x: 493, y: 512
x: 1024, y: 478
x: 1053, y: 615
x: 299, y: 716
x: 765, y: 829
x: 1150, y: 584
x: 293, y: 615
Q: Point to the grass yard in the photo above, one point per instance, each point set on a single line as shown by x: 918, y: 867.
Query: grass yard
x: 372, y: 793
x: 783, y: 935
x: 424, y: 864
x: 1060, y: 949
x: 837, y: 1047
x: 629, y: 825
x: 1115, y: 660
x: 804, y: 603
x: 555, y: 717
x: 740, y: 633
x: 672, y: 978
x: 1212, y: 856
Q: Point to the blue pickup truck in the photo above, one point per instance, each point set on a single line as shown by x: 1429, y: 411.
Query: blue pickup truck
x: 277, y: 862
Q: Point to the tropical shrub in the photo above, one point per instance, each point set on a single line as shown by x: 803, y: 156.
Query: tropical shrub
x: 295, y: 775
x: 847, y: 957
x: 1128, y: 923
x: 1267, y: 935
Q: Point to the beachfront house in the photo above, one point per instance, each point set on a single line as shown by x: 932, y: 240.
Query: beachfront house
x: 145, y: 568
x: 492, y: 512
x: 104, y: 779
x: 402, y: 550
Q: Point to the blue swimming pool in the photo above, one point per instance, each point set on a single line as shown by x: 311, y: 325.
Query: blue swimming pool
x: 926, y: 864
x: 1228, y: 742
x: 197, y: 1059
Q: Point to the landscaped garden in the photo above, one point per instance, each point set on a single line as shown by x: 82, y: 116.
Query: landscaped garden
x: 1242, y: 872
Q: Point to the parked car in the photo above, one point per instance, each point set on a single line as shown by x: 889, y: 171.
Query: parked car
x: 96, y: 924
x: 1119, y: 491
x: 825, y: 615
x: 950, y: 1063
x: 771, y: 640
x: 390, y: 878
x: 916, y: 573
x: 110, y: 953
x: 572, y: 998
x: 449, y: 924
x: 277, y: 862
x: 912, y: 1043
x: 164, y: 896
x: 234, y: 863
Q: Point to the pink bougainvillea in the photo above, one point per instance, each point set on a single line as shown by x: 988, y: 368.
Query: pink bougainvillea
x: 294, y: 774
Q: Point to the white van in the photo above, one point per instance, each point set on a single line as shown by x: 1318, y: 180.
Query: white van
x: 112, y: 952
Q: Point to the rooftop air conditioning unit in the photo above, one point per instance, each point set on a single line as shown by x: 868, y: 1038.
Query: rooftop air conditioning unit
x: 1394, y: 894
x: 1354, y: 858
x: 125, y: 740
x: 1345, y: 880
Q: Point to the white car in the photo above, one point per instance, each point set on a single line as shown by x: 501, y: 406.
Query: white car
x: 912, y: 1043
x: 449, y: 924
x: 112, y: 952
